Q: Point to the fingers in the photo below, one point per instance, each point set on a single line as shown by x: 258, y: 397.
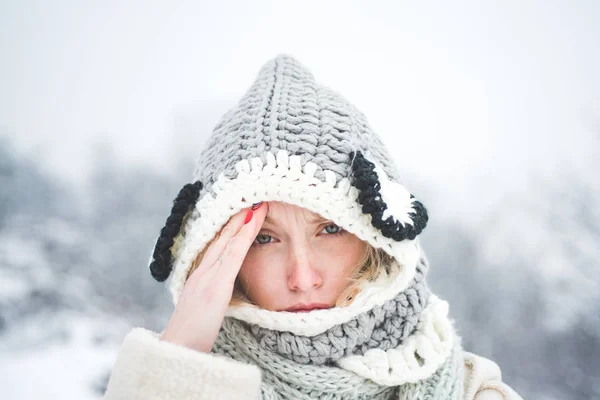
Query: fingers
x: 237, y: 248
x: 230, y: 230
x: 216, y: 248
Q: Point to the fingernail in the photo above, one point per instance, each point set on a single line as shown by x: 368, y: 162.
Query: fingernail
x: 256, y: 205
x: 248, y: 217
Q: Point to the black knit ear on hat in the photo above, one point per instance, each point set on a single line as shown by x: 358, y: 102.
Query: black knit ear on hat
x: 161, y: 264
x: 365, y: 179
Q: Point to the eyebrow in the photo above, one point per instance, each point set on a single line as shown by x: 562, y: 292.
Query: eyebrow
x: 316, y: 218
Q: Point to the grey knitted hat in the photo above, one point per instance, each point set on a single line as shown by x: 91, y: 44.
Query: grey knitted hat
x: 294, y: 140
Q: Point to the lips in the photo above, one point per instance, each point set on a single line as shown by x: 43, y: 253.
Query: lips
x: 307, y: 307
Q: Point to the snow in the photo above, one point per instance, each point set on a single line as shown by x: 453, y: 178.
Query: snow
x: 59, y: 369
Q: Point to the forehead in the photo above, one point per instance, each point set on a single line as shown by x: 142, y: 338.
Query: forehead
x: 279, y: 210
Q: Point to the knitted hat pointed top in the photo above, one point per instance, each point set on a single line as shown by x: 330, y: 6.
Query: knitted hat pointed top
x: 293, y: 140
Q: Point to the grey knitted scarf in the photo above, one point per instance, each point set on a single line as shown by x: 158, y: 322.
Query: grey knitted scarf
x: 283, y: 378
x: 301, y: 367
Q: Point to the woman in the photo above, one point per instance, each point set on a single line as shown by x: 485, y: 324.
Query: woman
x: 296, y: 267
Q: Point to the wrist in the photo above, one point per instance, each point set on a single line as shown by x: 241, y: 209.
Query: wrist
x: 166, y: 337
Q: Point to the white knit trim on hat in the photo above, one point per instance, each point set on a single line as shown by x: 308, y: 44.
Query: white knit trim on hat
x: 283, y: 178
x: 419, y: 355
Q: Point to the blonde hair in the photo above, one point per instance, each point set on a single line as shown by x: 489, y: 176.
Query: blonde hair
x: 374, y: 262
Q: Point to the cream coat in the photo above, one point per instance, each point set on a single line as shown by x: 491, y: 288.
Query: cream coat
x: 150, y: 369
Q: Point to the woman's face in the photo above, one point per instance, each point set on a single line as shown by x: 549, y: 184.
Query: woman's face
x: 299, y: 260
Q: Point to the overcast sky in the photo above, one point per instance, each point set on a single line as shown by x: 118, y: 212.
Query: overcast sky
x: 463, y: 92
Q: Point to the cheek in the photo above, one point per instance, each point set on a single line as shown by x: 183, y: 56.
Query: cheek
x: 263, y: 277
x: 342, y: 255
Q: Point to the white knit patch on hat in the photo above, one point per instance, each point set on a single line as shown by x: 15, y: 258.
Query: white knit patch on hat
x: 284, y: 179
x: 396, y: 197
x: 419, y: 355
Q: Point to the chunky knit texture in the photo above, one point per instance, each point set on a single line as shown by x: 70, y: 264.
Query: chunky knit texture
x: 443, y: 384
x: 286, y: 109
x: 160, y: 266
x: 283, y: 377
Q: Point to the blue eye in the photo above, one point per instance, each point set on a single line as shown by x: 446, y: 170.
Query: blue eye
x: 332, y: 229
x: 263, y: 239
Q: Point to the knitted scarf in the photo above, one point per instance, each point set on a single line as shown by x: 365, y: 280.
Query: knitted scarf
x: 403, y: 348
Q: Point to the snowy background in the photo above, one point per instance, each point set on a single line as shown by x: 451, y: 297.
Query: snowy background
x: 493, y: 112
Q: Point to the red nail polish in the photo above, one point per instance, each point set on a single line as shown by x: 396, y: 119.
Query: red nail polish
x: 256, y: 205
x: 248, y: 217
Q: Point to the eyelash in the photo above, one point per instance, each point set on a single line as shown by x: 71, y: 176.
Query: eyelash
x: 340, y: 231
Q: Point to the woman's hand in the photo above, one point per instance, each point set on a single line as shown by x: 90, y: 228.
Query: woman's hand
x: 200, y: 311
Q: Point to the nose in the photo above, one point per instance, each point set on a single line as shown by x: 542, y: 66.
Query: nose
x: 303, y: 276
